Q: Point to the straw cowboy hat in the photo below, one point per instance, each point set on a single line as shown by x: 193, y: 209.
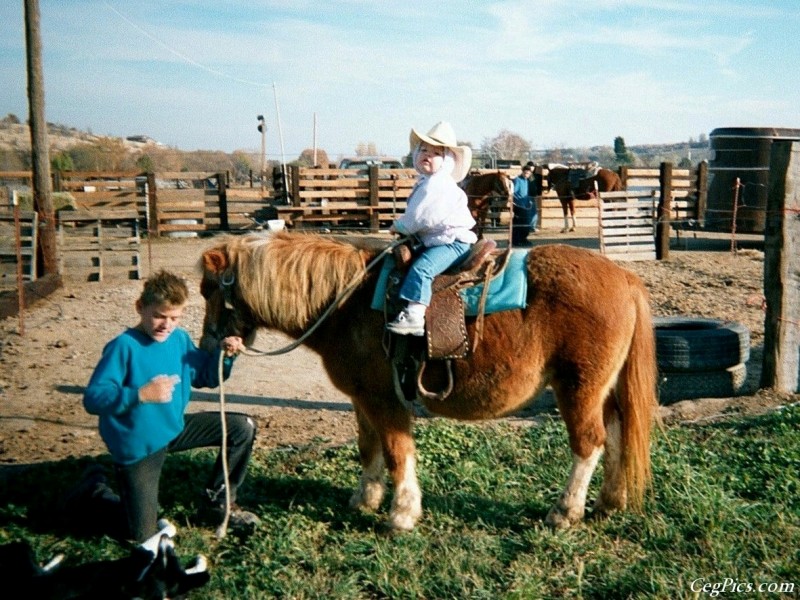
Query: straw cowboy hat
x: 442, y: 134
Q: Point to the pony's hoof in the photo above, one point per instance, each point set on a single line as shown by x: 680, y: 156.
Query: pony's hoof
x: 558, y: 519
x: 564, y: 230
x: 366, y: 502
x: 400, y: 523
x: 572, y: 229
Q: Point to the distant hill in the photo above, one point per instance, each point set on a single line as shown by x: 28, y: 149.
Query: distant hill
x: 16, y: 136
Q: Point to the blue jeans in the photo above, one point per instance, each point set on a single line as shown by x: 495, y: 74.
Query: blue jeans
x: 433, y: 260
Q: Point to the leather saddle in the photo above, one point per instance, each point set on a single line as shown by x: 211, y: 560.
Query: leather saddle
x: 445, y: 321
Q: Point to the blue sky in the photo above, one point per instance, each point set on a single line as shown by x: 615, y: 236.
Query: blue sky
x: 194, y: 74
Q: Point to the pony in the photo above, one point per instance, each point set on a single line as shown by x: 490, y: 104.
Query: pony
x: 586, y: 331
x: 485, y: 192
x: 571, y: 184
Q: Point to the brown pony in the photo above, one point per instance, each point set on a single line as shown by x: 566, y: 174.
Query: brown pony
x: 559, y: 178
x: 586, y: 331
x: 484, y: 192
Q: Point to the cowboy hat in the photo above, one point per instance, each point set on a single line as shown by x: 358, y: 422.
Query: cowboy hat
x: 442, y: 134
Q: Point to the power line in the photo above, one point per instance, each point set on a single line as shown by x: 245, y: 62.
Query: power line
x: 180, y: 55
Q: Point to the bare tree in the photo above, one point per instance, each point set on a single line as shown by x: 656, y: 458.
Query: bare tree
x: 508, y: 145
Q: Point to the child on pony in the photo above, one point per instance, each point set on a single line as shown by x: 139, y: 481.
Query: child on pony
x: 438, y: 215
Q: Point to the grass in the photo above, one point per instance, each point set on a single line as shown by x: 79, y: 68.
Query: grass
x: 725, y: 505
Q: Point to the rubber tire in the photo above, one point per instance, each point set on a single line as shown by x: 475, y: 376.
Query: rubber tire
x: 674, y: 387
x: 688, y: 344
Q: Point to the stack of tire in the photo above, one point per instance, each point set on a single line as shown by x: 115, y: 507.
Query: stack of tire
x: 700, y: 358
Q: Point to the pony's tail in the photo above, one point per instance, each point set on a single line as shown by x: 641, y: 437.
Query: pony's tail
x: 637, y: 400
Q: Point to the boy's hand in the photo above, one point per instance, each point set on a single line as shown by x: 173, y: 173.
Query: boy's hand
x: 232, y: 345
x: 158, y: 389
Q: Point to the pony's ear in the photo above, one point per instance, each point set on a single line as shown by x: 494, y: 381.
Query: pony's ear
x: 215, y: 261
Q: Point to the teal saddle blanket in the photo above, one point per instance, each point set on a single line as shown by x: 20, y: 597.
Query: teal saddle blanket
x: 507, y: 291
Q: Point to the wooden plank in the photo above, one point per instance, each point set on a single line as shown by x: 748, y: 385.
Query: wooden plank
x: 633, y: 256
x: 181, y: 227
x: 104, y: 215
x: 196, y: 215
x: 334, y: 183
x: 186, y: 175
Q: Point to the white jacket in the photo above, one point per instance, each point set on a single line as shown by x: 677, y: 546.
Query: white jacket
x: 437, y: 212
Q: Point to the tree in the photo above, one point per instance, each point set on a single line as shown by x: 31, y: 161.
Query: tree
x: 241, y: 166
x: 507, y: 145
x: 145, y: 163
x: 62, y: 162
x: 105, y: 154
x: 307, y: 157
x: 622, y: 155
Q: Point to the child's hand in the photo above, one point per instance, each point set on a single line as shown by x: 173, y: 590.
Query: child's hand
x: 232, y: 345
x: 158, y: 389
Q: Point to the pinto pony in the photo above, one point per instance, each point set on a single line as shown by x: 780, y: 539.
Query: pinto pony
x: 586, y: 331
x: 486, y: 191
x: 559, y: 178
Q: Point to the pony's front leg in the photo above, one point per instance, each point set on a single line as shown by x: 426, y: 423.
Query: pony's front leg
x: 407, y: 502
x: 571, y: 507
x: 384, y: 439
x: 372, y: 486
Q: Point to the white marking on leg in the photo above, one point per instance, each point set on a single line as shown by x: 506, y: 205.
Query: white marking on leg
x: 372, y: 486
x: 407, y: 503
x: 571, y: 506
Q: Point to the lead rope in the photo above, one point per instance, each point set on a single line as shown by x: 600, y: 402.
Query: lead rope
x: 222, y: 530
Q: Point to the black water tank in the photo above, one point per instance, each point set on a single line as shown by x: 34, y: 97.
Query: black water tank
x: 741, y: 152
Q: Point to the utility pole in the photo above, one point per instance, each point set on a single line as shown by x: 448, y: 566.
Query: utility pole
x: 42, y: 198
x: 262, y: 127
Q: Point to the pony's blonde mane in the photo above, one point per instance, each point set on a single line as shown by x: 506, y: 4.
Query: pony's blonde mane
x: 288, y: 279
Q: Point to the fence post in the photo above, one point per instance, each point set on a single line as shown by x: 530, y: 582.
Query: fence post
x: 701, y: 187
x: 152, y: 208
x: 295, y: 177
x: 781, y: 362
x: 664, y: 209
x: 222, y: 188
x: 374, y: 199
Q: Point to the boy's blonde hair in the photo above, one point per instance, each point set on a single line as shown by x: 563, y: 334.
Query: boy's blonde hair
x: 164, y: 288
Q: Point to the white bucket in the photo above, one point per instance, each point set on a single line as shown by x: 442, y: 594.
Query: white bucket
x: 276, y: 224
x: 182, y: 234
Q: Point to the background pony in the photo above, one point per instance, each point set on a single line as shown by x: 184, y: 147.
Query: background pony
x: 486, y: 192
x: 586, y: 332
x: 577, y: 183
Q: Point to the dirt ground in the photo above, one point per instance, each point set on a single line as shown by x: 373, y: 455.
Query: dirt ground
x: 42, y: 374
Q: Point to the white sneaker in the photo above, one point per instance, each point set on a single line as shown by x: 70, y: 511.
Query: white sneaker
x: 407, y: 324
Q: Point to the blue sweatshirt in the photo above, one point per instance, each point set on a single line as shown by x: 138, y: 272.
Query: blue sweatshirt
x: 131, y: 429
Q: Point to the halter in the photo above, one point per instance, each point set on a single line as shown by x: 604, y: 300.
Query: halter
x: 226, y: 285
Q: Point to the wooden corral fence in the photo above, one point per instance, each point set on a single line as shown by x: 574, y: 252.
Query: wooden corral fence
x: 103, y: 191
x: 685, y: 191
x: 185, y: 203
x: 346, y: 198
x: 99, y: 245
x: 188, y: 203
x: 626, y: 225
x: 9, y: 247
